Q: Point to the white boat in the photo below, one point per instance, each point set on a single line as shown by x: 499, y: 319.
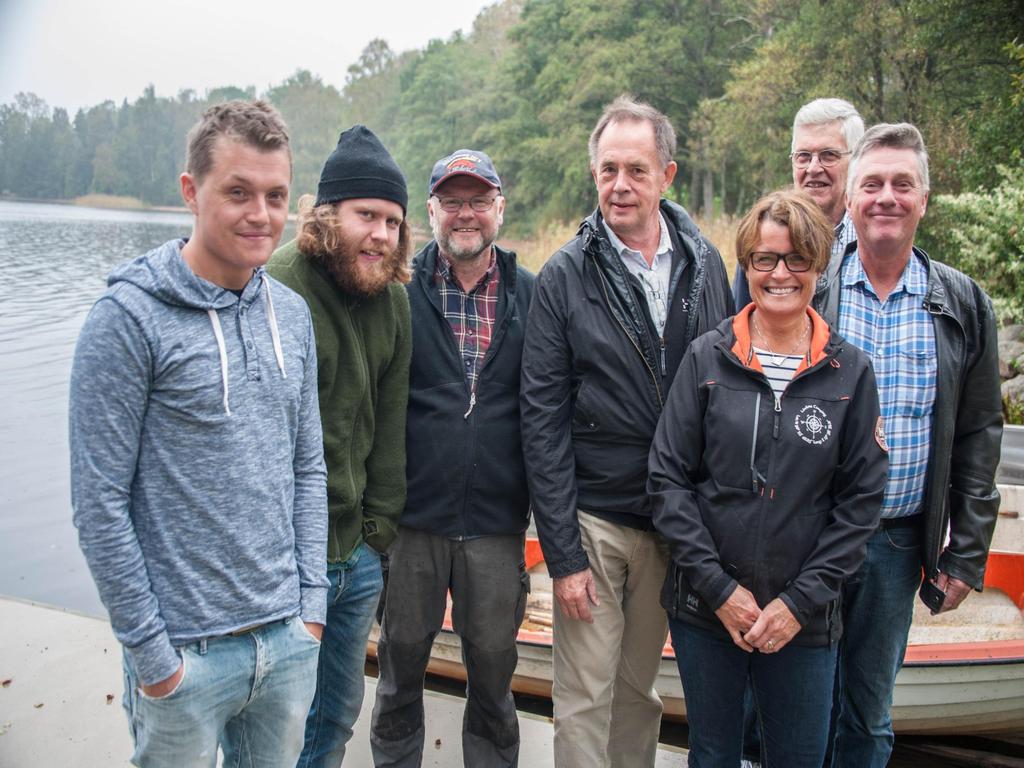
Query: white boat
x: 963, y: 672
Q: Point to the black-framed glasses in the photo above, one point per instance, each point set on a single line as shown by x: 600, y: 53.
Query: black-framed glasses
x: 766, y: 261
x: 826, y: 158
x: 454, y: 204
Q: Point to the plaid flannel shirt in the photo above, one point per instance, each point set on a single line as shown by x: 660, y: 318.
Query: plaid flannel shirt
x: 471, y: 315
x: 898, y: 336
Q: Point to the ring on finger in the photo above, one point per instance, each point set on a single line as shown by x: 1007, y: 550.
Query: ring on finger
x: 770, y: 645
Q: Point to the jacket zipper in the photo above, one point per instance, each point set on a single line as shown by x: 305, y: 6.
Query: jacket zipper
x: 654, y: 377
x: 754, y: 477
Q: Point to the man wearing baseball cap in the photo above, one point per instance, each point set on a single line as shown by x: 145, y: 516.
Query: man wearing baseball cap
x: 466, y: 513
x: 349, y: 261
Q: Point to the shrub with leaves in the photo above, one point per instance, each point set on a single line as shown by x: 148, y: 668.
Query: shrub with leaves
x: 982, y: 234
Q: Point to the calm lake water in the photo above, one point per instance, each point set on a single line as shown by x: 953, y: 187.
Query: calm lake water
x: 55, y: 260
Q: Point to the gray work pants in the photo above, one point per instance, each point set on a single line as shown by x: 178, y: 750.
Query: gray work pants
x: 488, y: 582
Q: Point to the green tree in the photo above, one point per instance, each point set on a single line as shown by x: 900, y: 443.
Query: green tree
x: 315, y: 115
x: 982, y: 234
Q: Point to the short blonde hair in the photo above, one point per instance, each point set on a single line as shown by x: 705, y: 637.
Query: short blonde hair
x: 809, y: 230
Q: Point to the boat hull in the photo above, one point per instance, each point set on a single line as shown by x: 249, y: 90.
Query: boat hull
x: 969, y: 696
x: 968, y: 687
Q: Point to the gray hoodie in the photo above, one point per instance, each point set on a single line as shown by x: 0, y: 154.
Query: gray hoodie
x: 197, y: 473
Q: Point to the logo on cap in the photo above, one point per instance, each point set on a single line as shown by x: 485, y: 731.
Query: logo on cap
x: 463, y: 163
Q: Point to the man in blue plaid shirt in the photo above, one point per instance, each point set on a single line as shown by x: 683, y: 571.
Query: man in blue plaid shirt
x: 930, y: 332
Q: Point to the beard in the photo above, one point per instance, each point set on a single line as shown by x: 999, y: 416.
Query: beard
x: 358, y: 278
x: 446, y: 241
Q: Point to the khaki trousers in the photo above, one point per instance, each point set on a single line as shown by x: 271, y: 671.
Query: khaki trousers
x: 607, y: 713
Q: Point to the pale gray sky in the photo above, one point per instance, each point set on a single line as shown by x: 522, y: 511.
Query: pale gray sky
x: 76, y: 53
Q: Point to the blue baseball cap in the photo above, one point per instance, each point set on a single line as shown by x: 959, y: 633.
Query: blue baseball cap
x: 464, y: 162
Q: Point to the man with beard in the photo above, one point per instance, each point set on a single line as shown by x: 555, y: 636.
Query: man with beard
x: 463, y: 524
x: 349, y: 262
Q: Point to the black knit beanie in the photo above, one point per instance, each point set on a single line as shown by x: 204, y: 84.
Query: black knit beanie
x: 360, y: 166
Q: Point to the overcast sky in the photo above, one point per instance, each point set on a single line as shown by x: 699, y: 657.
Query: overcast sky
x: 76, y: 53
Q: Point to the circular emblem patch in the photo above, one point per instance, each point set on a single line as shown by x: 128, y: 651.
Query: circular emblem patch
x: 813, y: 425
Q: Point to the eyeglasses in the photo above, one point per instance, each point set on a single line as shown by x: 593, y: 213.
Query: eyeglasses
x: 454, y: 204
x: 766, y: 261
x: 826, y: 158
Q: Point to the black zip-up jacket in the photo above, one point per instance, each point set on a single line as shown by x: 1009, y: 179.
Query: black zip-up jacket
x: 967, y: 421
x: 595, y: 374
x: 464, y: 466
x: 779, y: 496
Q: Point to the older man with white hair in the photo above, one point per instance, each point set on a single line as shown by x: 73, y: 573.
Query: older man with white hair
x: 825, y: 131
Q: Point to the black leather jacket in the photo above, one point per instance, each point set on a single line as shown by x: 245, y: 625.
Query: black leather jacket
x: 967, y: 426
x: 596, y: 373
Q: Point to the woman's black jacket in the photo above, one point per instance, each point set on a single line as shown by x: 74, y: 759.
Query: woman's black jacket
x: 778, y: 496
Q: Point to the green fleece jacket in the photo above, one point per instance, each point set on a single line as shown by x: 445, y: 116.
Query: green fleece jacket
x: 362, y: 348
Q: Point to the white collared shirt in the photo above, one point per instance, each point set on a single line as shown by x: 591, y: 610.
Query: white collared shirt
x: 655, y: 277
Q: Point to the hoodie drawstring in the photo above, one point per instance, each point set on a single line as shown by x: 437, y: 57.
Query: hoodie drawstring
x: 275, y: 336
x: 219, y: 334
x: 272, y: 321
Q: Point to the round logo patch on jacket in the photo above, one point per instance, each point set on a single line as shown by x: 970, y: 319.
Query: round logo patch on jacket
x: 880, y: 435
x: 813, y: 425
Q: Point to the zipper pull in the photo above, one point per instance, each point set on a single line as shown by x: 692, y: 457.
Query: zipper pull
x: 775, y: 421
x: 472, y: 402
x: 664, y: 368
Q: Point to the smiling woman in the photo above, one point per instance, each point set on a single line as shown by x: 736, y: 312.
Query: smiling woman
x: 762, y: 433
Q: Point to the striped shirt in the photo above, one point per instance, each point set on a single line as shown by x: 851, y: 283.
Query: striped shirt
x: 470, y: 315
x: 898, y: 336
x: 779, y: 369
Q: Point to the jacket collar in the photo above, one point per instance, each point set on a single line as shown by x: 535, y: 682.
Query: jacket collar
x: 743, y: 348
x: 424, y: 264
x: 591, y: 232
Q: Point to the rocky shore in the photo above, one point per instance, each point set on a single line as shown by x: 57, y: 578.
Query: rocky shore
x: 1011, y: 371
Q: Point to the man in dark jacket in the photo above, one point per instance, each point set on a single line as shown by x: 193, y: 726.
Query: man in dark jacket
x: 349, y: 262
x: 930, y: 332
x: 463, y: 525
x: 614, y: 312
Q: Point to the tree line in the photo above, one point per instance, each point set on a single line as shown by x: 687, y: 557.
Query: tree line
x: 529, y: 80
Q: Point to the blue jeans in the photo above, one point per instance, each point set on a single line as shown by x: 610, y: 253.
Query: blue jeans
x: 792, y: 689
x: 248, y: 693
x: 878, y: 605
x: 351, y: 603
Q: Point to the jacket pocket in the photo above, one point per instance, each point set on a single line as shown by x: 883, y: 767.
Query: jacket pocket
x: 731, y: 424
x: 921, y: 365
x: 584, y: 418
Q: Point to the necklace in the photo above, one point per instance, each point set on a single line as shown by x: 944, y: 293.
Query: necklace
x: 778, y: 359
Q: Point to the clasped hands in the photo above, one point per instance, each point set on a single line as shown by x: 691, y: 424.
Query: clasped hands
x: 751, y: 628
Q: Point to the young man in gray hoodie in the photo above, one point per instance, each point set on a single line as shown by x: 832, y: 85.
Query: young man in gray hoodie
x: 198, y: 480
